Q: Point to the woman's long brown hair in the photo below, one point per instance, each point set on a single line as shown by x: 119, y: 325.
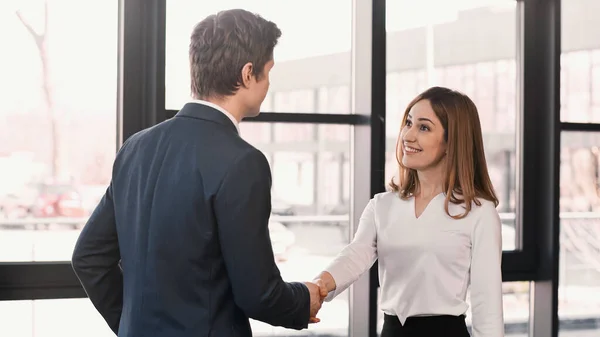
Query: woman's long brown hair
x: 467, y: 177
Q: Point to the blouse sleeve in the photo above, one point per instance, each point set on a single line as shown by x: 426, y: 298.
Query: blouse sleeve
x: 358, y: 256
x: 486, y: 275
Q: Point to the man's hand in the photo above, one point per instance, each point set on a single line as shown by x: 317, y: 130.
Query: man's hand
x: 317, y: 294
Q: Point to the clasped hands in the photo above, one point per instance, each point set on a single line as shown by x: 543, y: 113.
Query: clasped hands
x: 318, y: 291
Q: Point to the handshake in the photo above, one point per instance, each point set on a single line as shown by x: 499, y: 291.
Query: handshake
x: 318, y: 289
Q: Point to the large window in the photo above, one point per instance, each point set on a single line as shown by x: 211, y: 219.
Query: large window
x: 579, y: 250
x: 579, y: 269
x: 580, y: 62
x: 310, y: 211
x: 312, y: 72
x: 58, y: 139
x: 58, y: 122
x: 59, y: 130
x: 426, y: 50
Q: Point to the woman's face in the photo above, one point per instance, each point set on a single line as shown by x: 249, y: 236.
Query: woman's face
x: 422, y: 137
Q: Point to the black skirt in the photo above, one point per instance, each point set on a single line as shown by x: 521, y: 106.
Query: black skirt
x: 425, y: 326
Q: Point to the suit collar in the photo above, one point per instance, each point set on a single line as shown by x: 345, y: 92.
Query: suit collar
x: 208, y: 112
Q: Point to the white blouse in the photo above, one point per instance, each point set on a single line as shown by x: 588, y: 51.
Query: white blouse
x: 427, y: 263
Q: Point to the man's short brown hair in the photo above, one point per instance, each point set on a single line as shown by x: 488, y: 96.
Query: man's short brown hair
x: 222, y: 44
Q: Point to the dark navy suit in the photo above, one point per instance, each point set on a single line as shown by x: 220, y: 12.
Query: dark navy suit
x: 179, y: 245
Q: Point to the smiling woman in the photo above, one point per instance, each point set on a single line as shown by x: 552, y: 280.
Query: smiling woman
x: 441, y: 145
x: 423, y: 138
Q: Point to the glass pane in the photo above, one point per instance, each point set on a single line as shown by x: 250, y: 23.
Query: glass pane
x: 58, y: 122
x: 445, y: 50
x: 579, y: 273
x: 312, y: 69
x: 596, y: 87
x: 577, y: 83
x: 516, y: 310
x: 580, y: 51
x: 311, y: 178
x: 52, y: 318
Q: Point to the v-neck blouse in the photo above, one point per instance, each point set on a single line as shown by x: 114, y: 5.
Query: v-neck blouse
x: 426, y: 264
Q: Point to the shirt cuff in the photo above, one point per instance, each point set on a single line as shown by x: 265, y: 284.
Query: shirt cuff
x: 340, y: 282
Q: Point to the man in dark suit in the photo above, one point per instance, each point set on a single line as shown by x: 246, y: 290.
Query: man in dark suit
x: 179, y: 245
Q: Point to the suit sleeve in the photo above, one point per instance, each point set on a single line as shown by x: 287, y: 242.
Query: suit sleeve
x: 96, y: 262
x: 242, y: 209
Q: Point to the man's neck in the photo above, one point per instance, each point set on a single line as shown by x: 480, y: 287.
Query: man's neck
x: 228, y: 105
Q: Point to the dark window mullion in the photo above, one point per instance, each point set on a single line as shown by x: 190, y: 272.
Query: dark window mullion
x: 581, y: 127
x: 310, y: 118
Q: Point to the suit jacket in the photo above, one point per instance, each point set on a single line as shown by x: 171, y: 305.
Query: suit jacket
x: 179, y: 244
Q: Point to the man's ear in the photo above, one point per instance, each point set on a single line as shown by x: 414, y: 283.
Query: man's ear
x: 247, y: 74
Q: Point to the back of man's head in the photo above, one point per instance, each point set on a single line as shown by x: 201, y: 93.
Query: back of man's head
x: 222, y: 44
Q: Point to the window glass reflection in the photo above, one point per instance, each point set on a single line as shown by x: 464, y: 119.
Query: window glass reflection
x: 580, y: 89
x: 309, y: 65
x: 58, y: 122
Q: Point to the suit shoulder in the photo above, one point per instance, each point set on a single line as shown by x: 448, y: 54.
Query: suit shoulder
x: 139, y: 137
x: 250, y: 157
x: 242, y: 144
x: 246, y: 169
x: 244, y: 151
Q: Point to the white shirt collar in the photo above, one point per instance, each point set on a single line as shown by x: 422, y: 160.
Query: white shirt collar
x: 225, y: 112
